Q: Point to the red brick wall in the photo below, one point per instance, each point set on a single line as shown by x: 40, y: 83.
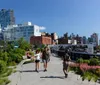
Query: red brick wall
x: 36, y: 40
x: 40, y: 40
x: 46, y: 40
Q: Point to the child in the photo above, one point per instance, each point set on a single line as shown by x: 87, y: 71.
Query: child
x: 66, y: 60
x: 37, y: 60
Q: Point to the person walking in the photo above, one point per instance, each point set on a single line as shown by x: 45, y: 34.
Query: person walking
x: 28, y: 55
x: 37, y: 60
x: 45, y: 57
x: 66, y: 62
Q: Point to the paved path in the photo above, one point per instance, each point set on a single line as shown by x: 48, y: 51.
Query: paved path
x: 54, y: 75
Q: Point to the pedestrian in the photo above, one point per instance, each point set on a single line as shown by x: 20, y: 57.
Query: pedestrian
x: 28, y: 55
x: 66, y: 62
x: 37, y: 60
x: 45, y: 57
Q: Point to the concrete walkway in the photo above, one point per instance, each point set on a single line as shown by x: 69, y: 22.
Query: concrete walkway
x: 54, y: 75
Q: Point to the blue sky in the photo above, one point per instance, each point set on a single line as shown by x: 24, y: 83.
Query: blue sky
x: 73, y: 16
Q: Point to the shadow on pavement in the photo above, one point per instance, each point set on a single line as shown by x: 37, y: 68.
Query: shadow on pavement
x: 98, y: 81
x: 27, y: 71
x: 60, y: 77
x: 30, y: 71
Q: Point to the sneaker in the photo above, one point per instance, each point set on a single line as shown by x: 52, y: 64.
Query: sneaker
x: 45, y: 70
x: 37, y: 71
x: 66, y: 75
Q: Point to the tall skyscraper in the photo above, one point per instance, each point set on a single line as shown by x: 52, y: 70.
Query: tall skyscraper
x: 6, y: 18
x: 84, y: 40
x: 94, y: 37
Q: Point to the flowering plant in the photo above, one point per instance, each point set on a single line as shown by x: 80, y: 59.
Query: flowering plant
x: 86, y: 70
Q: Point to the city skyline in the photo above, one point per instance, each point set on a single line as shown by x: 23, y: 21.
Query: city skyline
x: 60, y: 16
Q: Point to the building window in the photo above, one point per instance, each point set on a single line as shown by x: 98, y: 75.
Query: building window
x: 30, y: 29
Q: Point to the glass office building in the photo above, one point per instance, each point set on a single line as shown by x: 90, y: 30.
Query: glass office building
x: 6, y: 17
x: 22, y: 30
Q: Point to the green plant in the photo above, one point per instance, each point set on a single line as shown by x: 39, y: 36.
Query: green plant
x: 78, y: 71
x: 4, y: 81
x: 97, y: 72
x: 86, y: 61
x: 89, y: 73
x: 7, y: 81
x: 11, y: 56
x: 12, y: 63
x: 16, y: 55
x: 7, y: 72
x: 4, y: 56
x: 83, y: 61
x: 14, y: 71
x: 94, y: 61
x: 95, y: 78
x: 1, y: 82
x: 42, y: 46
x: 23, y: 44
x: 80, y: 60
x: 89, y: 76
x: 2, y: 66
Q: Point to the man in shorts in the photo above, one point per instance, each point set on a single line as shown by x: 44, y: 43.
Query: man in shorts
x: 66, y: 60
x: 45, y: 58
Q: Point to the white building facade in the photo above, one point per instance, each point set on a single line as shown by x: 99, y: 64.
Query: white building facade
x: 25, y: 31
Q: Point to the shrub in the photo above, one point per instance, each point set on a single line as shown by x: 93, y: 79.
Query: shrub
x: 4, y: 56
x: 13, y: 63
x: 7, y: 72
x: 4, y: 81
x: 94, y: 61
x: 23, y: 44
x: 98, y: 72
x: 86, y: 61
x: 16, y: 55
x: 80, y: 60
x: 1, y: 82
x: 2, y: 66
x: 95, y: 78
x: 42, y: 46
x: 88, y: 72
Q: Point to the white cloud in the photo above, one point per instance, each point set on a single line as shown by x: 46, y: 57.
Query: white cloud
x: 42, y: 28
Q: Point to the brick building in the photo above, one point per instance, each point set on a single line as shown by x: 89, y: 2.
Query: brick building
x: 46, y: 40
x: 63, y: 40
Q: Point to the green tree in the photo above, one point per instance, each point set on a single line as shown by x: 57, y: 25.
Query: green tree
x: 23, y: 44
x: 16, y: 55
